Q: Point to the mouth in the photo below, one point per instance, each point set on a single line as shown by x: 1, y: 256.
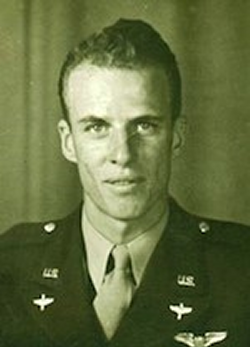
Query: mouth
x: 124, y: 184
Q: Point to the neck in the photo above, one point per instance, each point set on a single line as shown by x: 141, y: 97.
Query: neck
x: 123, y: 231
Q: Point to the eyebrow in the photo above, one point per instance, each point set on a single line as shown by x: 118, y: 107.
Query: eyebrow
x: 90, y: 118
x: 157, y: 118
x: 146, y: 117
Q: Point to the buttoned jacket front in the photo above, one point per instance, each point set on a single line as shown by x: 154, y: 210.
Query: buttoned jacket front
x: 195, y: 288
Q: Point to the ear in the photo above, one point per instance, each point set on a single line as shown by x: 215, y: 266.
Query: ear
x: 67, y: 142
x: 179, y: 135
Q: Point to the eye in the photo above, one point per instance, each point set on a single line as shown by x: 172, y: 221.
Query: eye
x: 146, y: 127
x: 97, y: 127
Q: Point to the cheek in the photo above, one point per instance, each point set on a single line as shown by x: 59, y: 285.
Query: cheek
x: 157, y: 153
x: 88, y: 152
x: 90, y: 158
x: 158, y: 164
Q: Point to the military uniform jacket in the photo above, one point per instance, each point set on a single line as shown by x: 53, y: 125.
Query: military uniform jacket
x: 195, y: 290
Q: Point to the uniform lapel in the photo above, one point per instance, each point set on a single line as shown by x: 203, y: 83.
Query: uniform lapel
x: 67, y: 317
x: 173, y: 296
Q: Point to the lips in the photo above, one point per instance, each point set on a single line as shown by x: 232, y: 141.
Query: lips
x: 124, y: 183
x: 124, y: 180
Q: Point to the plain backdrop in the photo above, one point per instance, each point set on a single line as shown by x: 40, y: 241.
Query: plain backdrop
x: 211, y: 41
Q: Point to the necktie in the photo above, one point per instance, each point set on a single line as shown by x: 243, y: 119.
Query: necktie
x: 116, y: 292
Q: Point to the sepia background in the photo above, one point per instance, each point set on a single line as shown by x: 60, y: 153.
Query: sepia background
x: 211, y: 41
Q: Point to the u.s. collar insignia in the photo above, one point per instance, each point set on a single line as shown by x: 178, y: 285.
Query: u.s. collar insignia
x: 210, y: 338
x: 180, y: 310
x: 50, y: 273
x: 186, y: 280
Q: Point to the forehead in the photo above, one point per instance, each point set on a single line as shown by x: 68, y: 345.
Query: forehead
x: 96, y: 90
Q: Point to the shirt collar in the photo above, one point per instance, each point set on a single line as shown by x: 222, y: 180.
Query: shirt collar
x: 98, y: 249
x: 142, y: 247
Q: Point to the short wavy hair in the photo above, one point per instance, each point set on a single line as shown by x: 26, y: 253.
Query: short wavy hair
x: 127, y: 44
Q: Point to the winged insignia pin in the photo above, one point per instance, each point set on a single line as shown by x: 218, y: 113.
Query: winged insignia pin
x: 210, y: 338
x: 43, y: 302
x: 180, y: 310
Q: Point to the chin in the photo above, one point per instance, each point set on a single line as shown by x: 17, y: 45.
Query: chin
x: 125, y: 213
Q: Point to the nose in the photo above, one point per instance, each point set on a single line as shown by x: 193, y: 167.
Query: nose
x: 121, y: 147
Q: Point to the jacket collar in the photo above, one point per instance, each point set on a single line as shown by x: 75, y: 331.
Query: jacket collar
x: 69, y: 319
x: 174, y: 283
x: 174, y: 278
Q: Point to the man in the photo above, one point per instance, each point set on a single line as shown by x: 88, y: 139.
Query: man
x: 129, y: 267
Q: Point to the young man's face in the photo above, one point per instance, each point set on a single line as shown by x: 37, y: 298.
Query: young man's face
x: 121, y: 138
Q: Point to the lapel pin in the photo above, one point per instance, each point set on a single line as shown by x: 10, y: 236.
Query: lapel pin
x: 42, y: 302
x: 186, y: 281
x: 50, y: 273
x: 180, y: 310
x: 210, y: 338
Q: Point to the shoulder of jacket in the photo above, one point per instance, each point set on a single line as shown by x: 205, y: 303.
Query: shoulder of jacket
x: 223, y: 232
x: 214, y: 230
x: 228, y: 232
x: 25, y: 234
